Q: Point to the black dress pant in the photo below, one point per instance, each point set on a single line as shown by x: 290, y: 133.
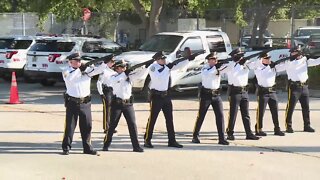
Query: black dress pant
x: 271, y: 99
x: 106, y: 102
x: 236, y: 99
x: 216, y: 103
x: 157, y: 104
x: 128, y: 111
x: 295, y: 94
x: 73, y: 111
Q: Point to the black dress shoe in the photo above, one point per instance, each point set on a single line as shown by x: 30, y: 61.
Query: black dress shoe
x: 65, y: 152
x: 278, y: 132
x: 115, y: 131
x: 289, y: 130
x: 139, y: 149
x: 91, y: 152
x: 252, y: 137
x: 105, y: 148
x: 175, y: 144
x: 148, y: 144
x: 195, y: 139
x: 223, y: 142
x: 230, y: 137
x: 308, y: 129
x: 261, y: 133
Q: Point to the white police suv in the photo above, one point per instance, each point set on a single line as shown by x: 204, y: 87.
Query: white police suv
x: 47, y: 57
x: 13, y: 54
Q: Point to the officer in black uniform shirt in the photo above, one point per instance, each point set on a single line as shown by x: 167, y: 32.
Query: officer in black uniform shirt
x: 160, y: 100
x: 210, y: 95
x: 238, y: 71
x: 297, y: 71
x: 266, y: 71
x: 77, y: 78
x: 122, y: 102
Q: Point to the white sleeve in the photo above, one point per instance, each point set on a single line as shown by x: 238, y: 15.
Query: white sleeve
x: 253, y: 64
x: 227, y: 67
x: 313, y: 62
x: 281, y: 67
x: 92, y: 71
x: 180, y: 65
x: 139, y: 73
x: 70, y: 75
x: 99, y: 84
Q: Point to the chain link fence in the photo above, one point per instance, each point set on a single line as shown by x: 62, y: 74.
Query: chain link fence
x: 128, y: 30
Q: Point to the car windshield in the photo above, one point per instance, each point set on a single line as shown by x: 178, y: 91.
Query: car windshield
x: 307, y: 32
x: 52, y: 46
x: 100, y: 47
x: 166, y: 43
x: 21, y: 44
x: 6, y: 43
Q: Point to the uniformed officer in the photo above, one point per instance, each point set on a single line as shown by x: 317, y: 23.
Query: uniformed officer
x: 297, y: 71
x: 160, y: 99
x: 78, y: 102
x: 105, y: 91
x: 122, y: 102
x: 237, y: 72
x: 265, y: 71
x: 210, y: 95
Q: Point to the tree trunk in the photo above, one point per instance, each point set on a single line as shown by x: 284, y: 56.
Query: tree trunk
x: 151, y: 21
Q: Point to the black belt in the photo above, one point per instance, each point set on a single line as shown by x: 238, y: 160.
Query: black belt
x: 298, y: 83
x: 266, y: 89
x: 213, y: 92
x: 238, y: 88
x: 123, y: 101
x: 159, y: 93
x: 107, y: 88
x: 80, y: 100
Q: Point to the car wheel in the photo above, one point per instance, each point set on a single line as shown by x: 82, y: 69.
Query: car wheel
x: 45, y: 82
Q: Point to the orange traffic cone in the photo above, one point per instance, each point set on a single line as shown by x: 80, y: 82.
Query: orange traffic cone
x: 14, y: 95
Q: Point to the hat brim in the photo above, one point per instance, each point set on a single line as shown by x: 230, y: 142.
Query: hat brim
x: 76, y: 59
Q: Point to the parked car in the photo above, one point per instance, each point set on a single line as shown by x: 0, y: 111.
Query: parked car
x: 47, y: 57
x: 267, y: 40
x: 312, y: 47
x: 172, y: 44
x: 302, y: 34
x: 14, y: 56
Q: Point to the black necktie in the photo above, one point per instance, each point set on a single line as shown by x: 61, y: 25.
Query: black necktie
x: 161, y: 69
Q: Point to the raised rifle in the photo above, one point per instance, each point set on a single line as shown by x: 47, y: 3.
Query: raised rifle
x: 96, y: 60
x: 224, y: 61
x: 190, y: 57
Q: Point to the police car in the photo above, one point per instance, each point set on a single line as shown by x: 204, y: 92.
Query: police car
x: 173, y: 44
x: 47, y: 57
x: 13, y: 54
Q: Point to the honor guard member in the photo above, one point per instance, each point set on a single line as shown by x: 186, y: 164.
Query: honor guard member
x: 105, y: 91
x: 237, y: 72
x: 122, y: 102
x: 160, y: 100
x: 297, y: 71
x: 210, y: 95
x: 78, y: 102
x: 266, y: 71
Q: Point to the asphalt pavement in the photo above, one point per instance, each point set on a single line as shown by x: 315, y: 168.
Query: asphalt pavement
x: 31, y: 134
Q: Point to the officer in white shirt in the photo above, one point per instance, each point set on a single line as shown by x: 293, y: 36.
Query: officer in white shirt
x: 237, y: 72
x: 78, y: 102
x: 122, y: 102
x: 266, y: 71
x: 297, y: 71
x: 210, y: 95
x: 105, y: 91
x: 160, y: 99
